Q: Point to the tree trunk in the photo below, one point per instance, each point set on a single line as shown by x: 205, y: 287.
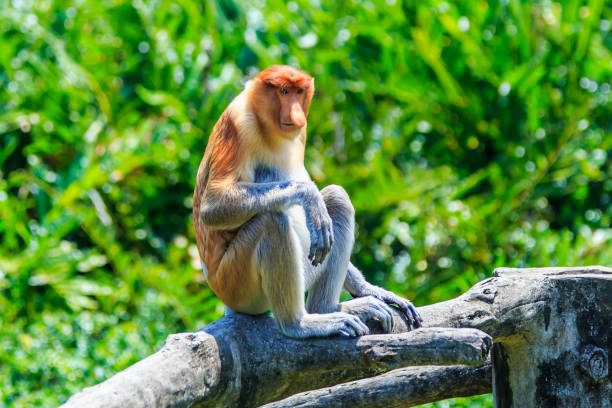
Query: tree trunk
x: 552, y: 329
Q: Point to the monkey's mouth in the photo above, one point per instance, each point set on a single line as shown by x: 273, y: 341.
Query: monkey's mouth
x: 288, y: 126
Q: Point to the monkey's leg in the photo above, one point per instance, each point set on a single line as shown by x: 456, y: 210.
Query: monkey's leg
x: 370, y: 301
x: 329, y: 277
x: 278, y: 261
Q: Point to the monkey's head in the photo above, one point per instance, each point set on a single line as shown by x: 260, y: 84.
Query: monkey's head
x: 281, y: 98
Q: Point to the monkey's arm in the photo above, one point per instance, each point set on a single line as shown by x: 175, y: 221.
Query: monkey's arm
x: 357, y: 286
x: 235, y: 205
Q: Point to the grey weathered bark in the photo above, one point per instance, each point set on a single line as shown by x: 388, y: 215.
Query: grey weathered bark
x: 244, y: 361
x: 399, y: 388
x: 551, y: 327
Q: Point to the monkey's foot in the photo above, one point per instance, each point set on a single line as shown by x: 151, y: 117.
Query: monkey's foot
x: 368, y: 308
x: 324, y: 325
x: 404, y: 305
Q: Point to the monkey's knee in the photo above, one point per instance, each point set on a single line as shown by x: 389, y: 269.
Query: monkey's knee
x: 337, y: 199
x: 339, y: 205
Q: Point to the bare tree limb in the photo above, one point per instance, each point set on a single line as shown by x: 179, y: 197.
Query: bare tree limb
x: 404, y: 387
x: 244, y: 361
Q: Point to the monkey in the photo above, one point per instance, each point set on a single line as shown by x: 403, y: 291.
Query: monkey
x: 266, y: 234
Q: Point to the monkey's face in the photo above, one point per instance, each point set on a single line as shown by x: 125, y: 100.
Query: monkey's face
x: 280, y: 98
x: 291, y: 110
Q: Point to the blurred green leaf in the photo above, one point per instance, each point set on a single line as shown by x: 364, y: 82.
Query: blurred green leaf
x: 469, y: 135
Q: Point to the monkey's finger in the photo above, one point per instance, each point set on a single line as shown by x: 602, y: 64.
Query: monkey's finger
x: 410, y: 311
x: 314, y: 242
x: 315, y: 257
x: 313, y: 249
x: 363, y: 329
x: 406, y: 307
x: 418, y: 320
x: 383, y: 313
x: 321, y: 249
x: 359, y: 326
x: 412, y: 314
x: 416, y: 313
x: 386, y: 317
x: 328, y: 234
x: 324, y: 244
x: 315, y: 245
x: 349, y: 325
x: 323, y: 253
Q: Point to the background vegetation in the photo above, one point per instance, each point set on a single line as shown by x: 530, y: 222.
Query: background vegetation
x: 469, y: 134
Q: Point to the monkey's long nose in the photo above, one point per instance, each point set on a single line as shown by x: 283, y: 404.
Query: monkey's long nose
x: 297, y: 115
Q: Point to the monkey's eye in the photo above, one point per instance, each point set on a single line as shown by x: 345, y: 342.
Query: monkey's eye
x: 284, y: 91
x: 300, y: 90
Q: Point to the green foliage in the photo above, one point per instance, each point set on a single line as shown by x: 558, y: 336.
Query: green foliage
x: 469, y: 134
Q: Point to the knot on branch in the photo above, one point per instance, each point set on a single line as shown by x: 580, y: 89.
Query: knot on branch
x: 594, y: 362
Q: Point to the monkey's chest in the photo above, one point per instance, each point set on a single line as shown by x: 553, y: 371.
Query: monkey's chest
x: 262, y: 173
x: 295, y: 213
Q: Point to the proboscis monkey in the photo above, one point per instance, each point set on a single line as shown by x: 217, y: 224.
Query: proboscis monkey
x: 265, y: 232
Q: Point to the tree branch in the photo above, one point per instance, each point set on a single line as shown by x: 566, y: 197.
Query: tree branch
x: 245, y: 361
x: 404, y: 387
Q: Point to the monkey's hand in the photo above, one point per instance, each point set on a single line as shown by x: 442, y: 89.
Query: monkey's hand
x: 368, y: 308
x: 388, y: 297
x: 319, y: 225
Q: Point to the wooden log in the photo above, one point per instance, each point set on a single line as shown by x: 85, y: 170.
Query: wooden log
x: 404, y: 387
x: 552, y: 329
x: 244, y: 361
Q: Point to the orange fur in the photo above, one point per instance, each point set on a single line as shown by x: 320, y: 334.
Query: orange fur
x: 236, y: 281
x: 224, y: 152
x: 284, y: 76
x: 217, y: 169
